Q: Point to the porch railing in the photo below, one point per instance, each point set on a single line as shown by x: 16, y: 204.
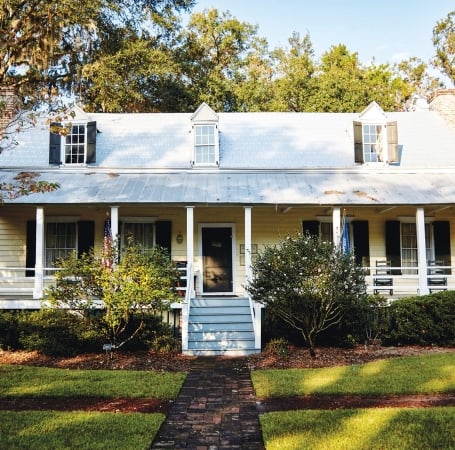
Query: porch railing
x: 15, y: 286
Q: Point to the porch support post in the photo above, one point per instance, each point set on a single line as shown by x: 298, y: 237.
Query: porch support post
x: 190, y: 275
x: 421, y: 251
x: 39, y: 251
x: 255, y: 307
x: 114, y: 223
x: 190, y: 234
x: 247, y: 244
x: 336, y: 220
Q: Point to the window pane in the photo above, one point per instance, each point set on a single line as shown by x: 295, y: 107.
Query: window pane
x: 75, y: 145
x: 60, y: 241
x: 204, y: 144
x: 142, y: 233
x: 326, y: 231
x: 372, y: 143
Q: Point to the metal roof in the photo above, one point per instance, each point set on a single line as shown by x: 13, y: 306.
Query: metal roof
x: 249, y: 187
x: 265, y: 158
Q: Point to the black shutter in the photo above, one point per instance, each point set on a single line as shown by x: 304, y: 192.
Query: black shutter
x: 55, y: 141
x: 85, y: 236
x: 441, y: 233
x: 393, y: 244
x: 392, y: 142
x: 358, y: 143
x: 164, y: 234
x: 361, y: 242
x: 91, y: 142
x: 311, y: 227
x: 30, y: 248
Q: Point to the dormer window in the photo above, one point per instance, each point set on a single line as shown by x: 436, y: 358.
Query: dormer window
x: 75, y: 148
x: 205, y: 144
x: 72, y: 143
x: 205, y: 137
x: 372, y: 143
x: 375, y: 139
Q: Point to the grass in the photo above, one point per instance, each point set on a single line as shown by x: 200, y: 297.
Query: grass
x: 360, y: 429
x: 426, y: 374
x: 27, y: 381
x: 50, y: 430
x: 82, y: 430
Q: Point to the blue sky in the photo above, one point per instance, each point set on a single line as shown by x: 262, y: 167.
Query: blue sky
x: 387, y: 30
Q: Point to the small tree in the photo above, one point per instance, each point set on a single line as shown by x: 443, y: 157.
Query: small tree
x: 142, y: 282
x: 308, y: 283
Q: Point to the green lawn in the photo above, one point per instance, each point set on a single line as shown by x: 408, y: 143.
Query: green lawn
x: 79, y: 430
x: 51, y: 430
x: 360, y: 429
x: 404, y: 375
x: 28, y: 381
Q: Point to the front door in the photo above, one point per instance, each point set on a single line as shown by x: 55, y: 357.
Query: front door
x: 217, y: 259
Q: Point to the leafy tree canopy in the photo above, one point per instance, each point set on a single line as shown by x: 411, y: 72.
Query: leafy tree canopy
x: 444, y: 43
x: 308, y: 283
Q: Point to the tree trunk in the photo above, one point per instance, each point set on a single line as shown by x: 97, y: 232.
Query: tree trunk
x: 311, y: 343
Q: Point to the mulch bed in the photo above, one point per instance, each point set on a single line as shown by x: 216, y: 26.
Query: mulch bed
x: 294, y: 358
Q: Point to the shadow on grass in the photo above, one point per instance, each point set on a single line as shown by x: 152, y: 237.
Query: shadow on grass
x: 426, y: 374
x: 400, y: 428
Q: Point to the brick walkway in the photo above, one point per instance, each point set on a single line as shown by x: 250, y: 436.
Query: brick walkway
x: 215, y: 409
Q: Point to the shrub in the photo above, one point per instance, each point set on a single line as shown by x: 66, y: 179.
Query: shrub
x: 277, y: 346
x: 9, y: 336
x: 57, y: 332
x: 154, y: 335
x: 424, y: 320
x: 309, y: 283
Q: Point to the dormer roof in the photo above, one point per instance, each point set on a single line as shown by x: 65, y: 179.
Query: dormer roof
x: 204, y: 114
x: 373, y: 113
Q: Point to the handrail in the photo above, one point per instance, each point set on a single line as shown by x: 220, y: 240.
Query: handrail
x: 186, y: 304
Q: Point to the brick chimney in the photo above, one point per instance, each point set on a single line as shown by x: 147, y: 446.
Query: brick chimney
x: 9, y: 106
x: 443, y: 102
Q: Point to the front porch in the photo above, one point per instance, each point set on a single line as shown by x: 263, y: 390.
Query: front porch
x: 214, y: 248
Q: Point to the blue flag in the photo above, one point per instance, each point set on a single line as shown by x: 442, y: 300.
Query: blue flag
x: 345, y: 244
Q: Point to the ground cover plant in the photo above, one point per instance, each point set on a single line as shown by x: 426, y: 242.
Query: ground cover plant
x: 26, y: 381
x: 341, y: 427
x: 47, y: 388
x: 425, y: 374
x: 360, y: 429
x: 50, y: 430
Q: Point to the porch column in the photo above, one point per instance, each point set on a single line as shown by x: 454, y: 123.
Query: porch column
x: 190, y: 274
x: 247, y: 244
x: 190, y: 235
x: 421, y: 251
x: 336, y: 220
x: 39, y: 251
x: 114, y: 223
x: 256, y: 307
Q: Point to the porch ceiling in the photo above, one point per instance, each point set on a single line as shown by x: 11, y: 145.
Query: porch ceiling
x: 244, y: 187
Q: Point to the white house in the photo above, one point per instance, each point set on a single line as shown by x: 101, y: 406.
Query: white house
x: 214, y: 188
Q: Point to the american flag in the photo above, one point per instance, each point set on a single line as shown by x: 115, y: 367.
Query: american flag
x: 107, y: 251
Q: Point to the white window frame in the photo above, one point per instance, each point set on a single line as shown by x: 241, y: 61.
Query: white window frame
x: 215, y: 145
x: 59, y: 220
x: 429, y: 244
x: 64, y: 143
x: 380, y: 144
x: 138, y: 220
